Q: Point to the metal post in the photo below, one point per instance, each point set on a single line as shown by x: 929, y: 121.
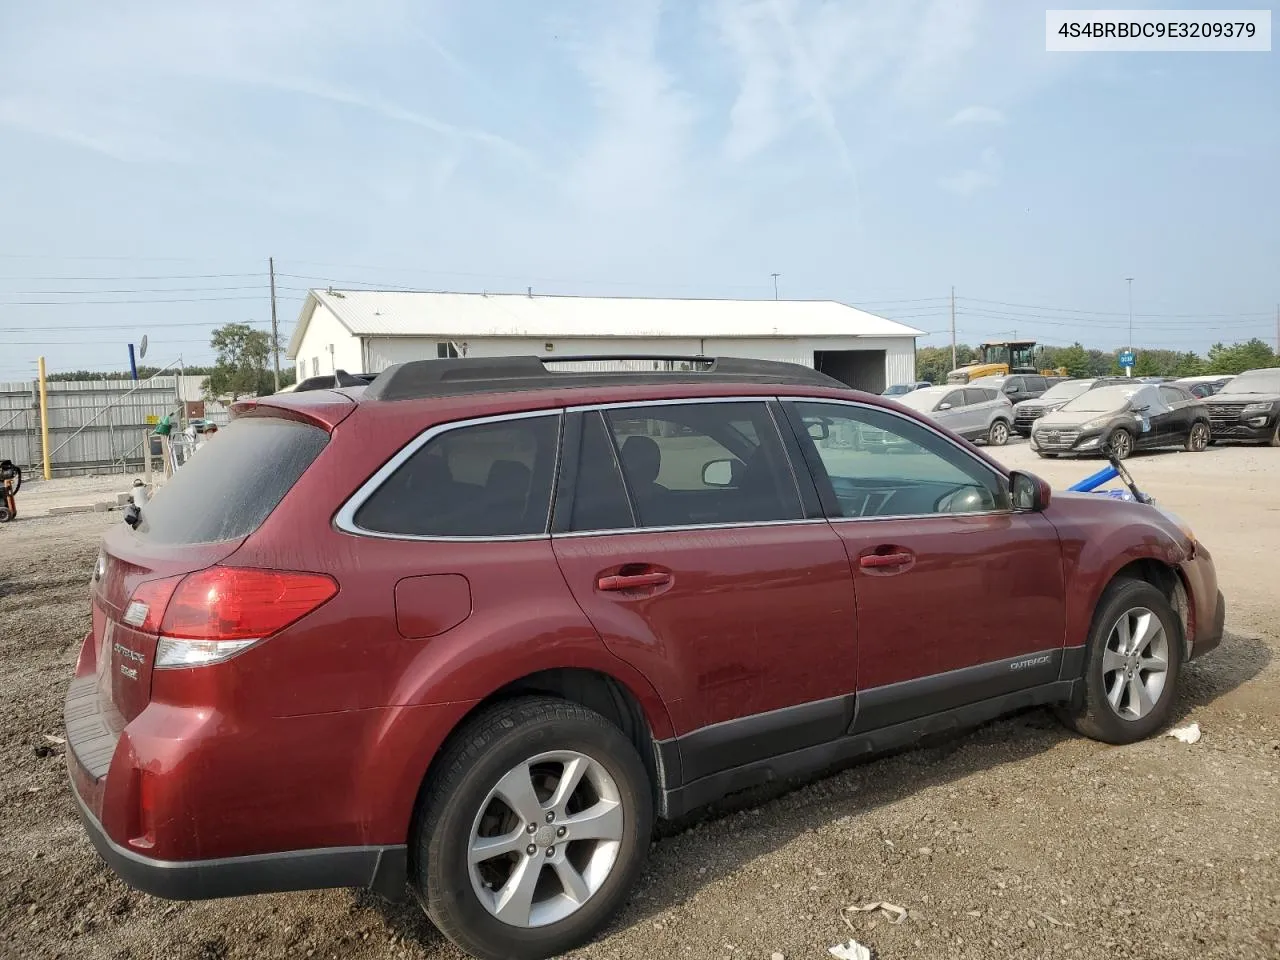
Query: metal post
x: 953, y: 328
x: 44, y: 423
x: 775, y: 284
x: 275, y: 329
x: 1128, y: 371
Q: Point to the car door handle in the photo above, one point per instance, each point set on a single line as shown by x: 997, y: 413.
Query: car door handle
x: 633, y: 581
x: 876, y: 560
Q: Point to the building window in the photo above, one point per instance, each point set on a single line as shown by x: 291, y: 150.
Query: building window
x: 445, y: 350
x: 315, y: 366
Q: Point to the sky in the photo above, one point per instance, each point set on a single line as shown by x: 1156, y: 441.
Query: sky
x: 154, y: 155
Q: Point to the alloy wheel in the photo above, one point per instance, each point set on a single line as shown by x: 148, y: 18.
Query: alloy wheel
x: 1135, y: 663
x: 545, y: 839
x: 999, y: 435
x: 1199, y: 439
x: 1121, y: 444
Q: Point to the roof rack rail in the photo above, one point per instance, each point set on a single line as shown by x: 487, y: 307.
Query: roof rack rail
x: 417, y: 379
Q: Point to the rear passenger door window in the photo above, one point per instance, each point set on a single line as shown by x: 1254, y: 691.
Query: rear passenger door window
x: 482, y: 480
x: 703, y: 463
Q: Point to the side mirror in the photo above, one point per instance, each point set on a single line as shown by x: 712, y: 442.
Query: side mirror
x: 944, y: 406
x: 1028, y: 492
x: 1142, y: 409
x: 817, y: 429
x: 719, y: 473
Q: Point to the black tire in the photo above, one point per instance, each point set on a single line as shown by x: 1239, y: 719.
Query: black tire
x: 1275, y: 436
x: 1198, y: 437
x: 492, y: 743
x: 998, y: 433
x: 1120, y: 443
x: 1090, y: 713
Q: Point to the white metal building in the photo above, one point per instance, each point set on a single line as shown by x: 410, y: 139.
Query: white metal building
x: 367, y: 331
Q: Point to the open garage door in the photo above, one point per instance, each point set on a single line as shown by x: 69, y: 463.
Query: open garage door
x: 860, y: 369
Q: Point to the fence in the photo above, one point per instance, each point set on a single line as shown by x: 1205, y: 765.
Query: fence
x: 95, y: 426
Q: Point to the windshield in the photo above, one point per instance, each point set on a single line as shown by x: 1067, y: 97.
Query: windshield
x: 1066, y: 391
x: 1256, y: 381
x: 996, y: 382
x: 897, y: 390
x: 922, y: 400
x: 1103, y: 399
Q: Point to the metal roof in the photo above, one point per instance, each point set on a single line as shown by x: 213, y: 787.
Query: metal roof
x: 383, y: 313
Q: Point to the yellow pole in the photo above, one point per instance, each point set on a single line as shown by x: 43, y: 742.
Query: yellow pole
x: 44, y: 424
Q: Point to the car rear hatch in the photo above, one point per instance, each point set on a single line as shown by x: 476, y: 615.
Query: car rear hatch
x: 195, y: 521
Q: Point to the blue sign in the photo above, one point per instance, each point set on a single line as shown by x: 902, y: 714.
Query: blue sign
x: 1126, y: 358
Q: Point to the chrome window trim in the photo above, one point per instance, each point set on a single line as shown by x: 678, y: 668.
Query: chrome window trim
x: 345, y: 521
x: 625, y: 531
x: 932, y: 429
x: 681, y: 401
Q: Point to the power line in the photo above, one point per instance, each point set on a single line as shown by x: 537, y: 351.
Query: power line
x: 47, y: 293
x: 107, y: 303
x: 163, y: 276
x: 1113, y: 313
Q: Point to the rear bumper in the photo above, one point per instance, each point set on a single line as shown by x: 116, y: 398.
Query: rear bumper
x: 382, y: 869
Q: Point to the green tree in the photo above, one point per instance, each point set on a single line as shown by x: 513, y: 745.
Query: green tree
x: 241, y: 369
x: 1074, y: 358
x: 1189, y: 364
x: 934, y: 363
x: 1239, y: 357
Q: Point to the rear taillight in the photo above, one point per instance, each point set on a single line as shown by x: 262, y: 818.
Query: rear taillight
x: 213, y: 614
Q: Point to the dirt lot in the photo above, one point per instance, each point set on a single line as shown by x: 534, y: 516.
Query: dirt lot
x: 1016, y: 840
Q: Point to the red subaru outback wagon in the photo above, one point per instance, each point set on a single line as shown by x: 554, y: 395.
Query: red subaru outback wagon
x: 469, y: 629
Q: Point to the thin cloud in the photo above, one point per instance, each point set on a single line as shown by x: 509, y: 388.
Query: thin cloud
x: 978, y: 115
x: 984, y: 175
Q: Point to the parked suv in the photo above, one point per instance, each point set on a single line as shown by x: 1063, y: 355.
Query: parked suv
x: 1248, y: 408
x: 975, y: 413
x: 1016, y: 387
x: 471, y: 628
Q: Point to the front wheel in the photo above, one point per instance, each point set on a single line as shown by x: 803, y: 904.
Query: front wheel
x: 998, y: 435
x: 1275, y: 435
x: 1198, y: 438
x: 1121, y: 443
x: 533, y: 831
x: 1132, y: 662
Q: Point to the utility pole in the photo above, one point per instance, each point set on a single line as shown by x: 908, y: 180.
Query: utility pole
x: 1128, y: 371
x: 775, y: 284
x: 953, y: 328
x: 1278, y: 329
x: 275, y: 329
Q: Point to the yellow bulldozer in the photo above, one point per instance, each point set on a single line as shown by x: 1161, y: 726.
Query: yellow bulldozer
x: 1001, y: 358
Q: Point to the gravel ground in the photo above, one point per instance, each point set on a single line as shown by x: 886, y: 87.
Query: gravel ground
x: 1016, y: 840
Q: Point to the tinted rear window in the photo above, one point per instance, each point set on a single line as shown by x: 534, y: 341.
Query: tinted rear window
x: 233, y: 482
x: 479, y: 480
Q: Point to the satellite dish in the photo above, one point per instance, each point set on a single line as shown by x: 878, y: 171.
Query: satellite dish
x: 142, y: 348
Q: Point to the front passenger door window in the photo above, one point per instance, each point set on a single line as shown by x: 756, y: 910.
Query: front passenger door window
x: 916, y: 472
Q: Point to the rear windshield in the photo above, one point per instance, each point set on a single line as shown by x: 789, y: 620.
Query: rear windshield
x: 232, y: 483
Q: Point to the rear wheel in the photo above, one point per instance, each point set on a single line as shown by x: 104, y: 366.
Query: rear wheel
x: 1120, y: 443
x: 998, y: 434
x: 1198, y: 437
x: 533, y: 831
x: 1132, y: 662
